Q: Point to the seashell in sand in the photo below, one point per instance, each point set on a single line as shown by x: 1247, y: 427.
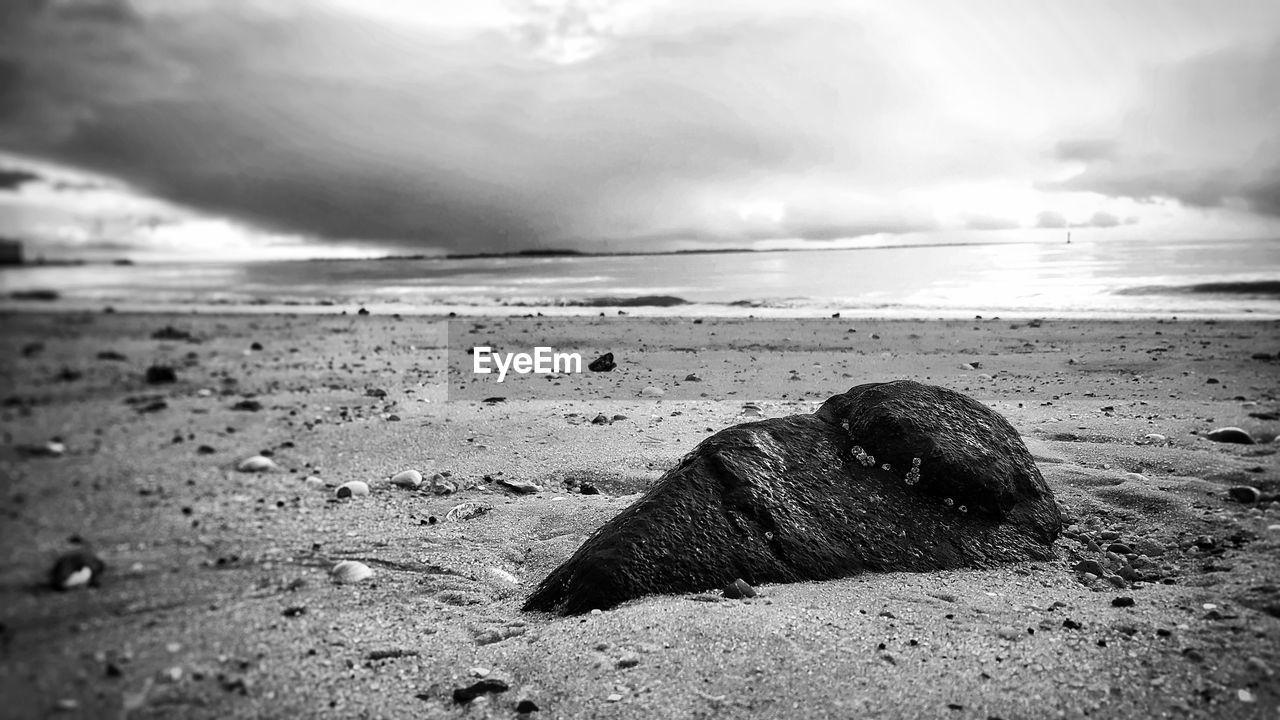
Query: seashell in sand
x: 466, y: 511
x: 350, y: 571
x: 520, y: 486
x: 409, y: 479
x: 355, y: 488
x: 257, y: 463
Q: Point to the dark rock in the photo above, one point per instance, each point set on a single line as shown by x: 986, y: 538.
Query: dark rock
x: 205, y: 450
x: 526, y: 706
x: 471, y: 692
x: 1261, y: 356
x: 1212, y: 381
x: 1119, y: 549
x: 1122, y: 602
x: 588, y: 489
x: 1090, y: 566
x: 739, y: 589
x: 111, y: 355
x: 76, y: 568
x: 362, y: 311
x: 1071, y: 624
x: 604, y: 363
x: 32, y: 348
x: 255, y: 346
x: 1230, y: 435
x: 1245, y: 494
x: 600, y: 420
x: 786, y: 500
x: 247, y: 406
x: 168, y: 332
x: 161, y: 375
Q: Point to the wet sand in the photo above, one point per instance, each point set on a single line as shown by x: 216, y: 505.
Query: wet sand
x: 217, y: 600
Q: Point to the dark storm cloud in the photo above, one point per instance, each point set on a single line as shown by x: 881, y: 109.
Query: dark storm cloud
x: 14, y: 179
x: 1205, y: 133
x: 436, y: 141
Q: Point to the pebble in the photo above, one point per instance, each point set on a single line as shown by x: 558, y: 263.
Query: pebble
x: 257, y: 463
x: 1230, y: 435
x: 1119, y: 549
x: 161, y: 375
x: 76, y: 569
x: 170, y: 675
x: 628, y: 660
x: 442, y: 485
x: 350, y: 571
x: 604, y: 363
x: 1149, y: 547
x: 1154, y: 437
x: 354, y: 488
x: 526, y: 706
x: 1245, y: 696
x: 600, y: 420
x: 1090, y: 566
x: 480, y: 672
x: 614, y: 697
x: 1009, y: 632
x: 693, y: 377
x: 1122, y: 602
x: 1245, y: 494
x: 520, y: 486
x: 652, y: 392
x: 409, y: 479
x: 475, y: 690
x: 313, y: 482
x: 501, y: 577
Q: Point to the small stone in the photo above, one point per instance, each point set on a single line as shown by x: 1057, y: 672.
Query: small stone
x: 739, y: 589
x: 1245, y: 696
x: 1231, y: 435
x: 501, y: 578
x: 1245, y: 494
x: 471, y: 692
x: 628, y: 660
x: 652, y: 392
x: 1117, y: 581
x: 604, y: 363
x: 161, y: 375
x: 247, y: 406
x: 67, y: 705
x: 600, y: 420
x: 350, y: 571
x: 614, y: 697
x: 76, y: 569
x: 1154, y: 438
x: 441, y: 485
x: 408, y: 479
x: 1090, y: 566
x: 588, y: 489
x: 257, y: 464
x: 354, y: 488
x: 693, y: 377
x: 526, y: 706
x: 1008, y: 632
x: 1148, y: 547
x: 1119, y: 549
x: 1122, y: 602
x: 520, y: 486
x: 170, y: 675
x: 480, y: 672
x: 313, y: 482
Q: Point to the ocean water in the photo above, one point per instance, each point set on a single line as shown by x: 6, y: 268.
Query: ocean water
x: 1222, y: 278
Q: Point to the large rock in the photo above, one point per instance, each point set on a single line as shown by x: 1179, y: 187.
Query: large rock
x: 793, y: 499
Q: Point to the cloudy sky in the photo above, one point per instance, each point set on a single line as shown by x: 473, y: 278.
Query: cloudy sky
x: 256, y: 128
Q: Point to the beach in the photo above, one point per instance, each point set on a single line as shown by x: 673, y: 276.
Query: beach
x: 217, y: 599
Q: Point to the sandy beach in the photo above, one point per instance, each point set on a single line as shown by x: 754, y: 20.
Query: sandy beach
x: 217, y: 600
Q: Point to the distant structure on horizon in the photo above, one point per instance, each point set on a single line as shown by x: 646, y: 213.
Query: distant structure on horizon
x: 10, y: 251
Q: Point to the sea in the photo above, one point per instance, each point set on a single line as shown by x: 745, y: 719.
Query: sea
x: 1122, y: 279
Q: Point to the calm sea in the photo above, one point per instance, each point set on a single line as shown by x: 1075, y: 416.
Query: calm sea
x: 1143, y: 278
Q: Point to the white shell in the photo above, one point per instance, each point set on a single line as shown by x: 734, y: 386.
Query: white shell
x: 410, y: 479
x: 77, y: 578
x: 257, y: 463
x: 466, y: 511
x: 355, y: 488
x: 350, y: 571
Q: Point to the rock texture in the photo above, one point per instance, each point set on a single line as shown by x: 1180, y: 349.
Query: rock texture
x: 799, y: 498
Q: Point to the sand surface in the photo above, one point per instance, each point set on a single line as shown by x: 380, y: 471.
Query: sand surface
x: 217, y: 601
